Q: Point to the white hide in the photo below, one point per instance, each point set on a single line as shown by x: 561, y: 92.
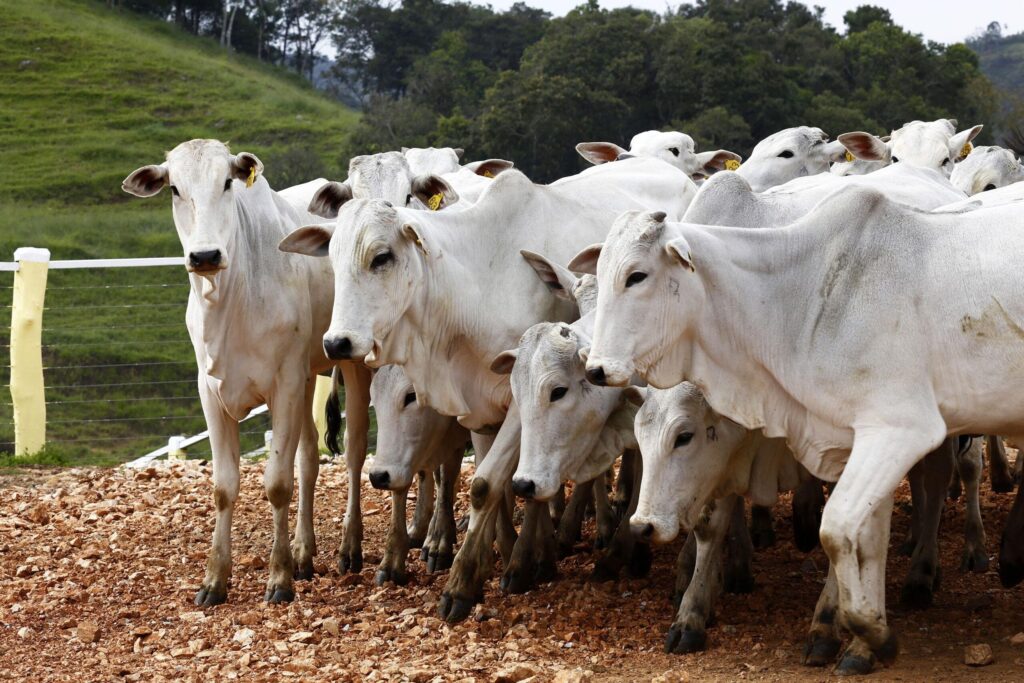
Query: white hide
x: 788, y: 154
x: 986, y: 169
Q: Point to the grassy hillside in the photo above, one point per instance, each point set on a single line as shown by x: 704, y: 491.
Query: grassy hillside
x: 1002, y: 60
x: 88, y: 95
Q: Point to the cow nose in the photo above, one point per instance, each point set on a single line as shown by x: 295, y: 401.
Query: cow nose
x: 204, y: 259
x: 642, y: 532
x: 596, y: 376
x: 338, y: 349
x: 380, y: 479
x: 524, y: 488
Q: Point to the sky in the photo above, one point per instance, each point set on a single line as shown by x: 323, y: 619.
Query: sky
x: 944, y: 21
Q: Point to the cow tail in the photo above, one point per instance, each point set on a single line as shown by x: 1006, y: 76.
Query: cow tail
x: 332, y: 413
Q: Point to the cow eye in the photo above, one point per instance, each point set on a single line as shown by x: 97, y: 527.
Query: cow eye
x: 227, y: 184
x: 895, y: 159
x: 683, y: 439
x: 382, y: 259
x: 786, y: 154
x: 674, y: 150
x: 174, y: 191
x: 409, y: 398
x: 635, y: 278
x: 988, y: 187
x: 558, y: 392
x: 408, y: 198
x: 945, y: 162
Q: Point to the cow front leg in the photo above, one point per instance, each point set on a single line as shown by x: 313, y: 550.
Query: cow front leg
x: 392, y: 565
x: 1000, y: 475
x: 224, y: 444
x: 625, y: 549
x: 969, y: 464
x: 922, y: 579
x: 357, y: 425
x: 519, y: 572
x: 425, y: 500
x: 570, y: 526
x: 855, y: 531
x: 739, y: 573
x: 689, y: 630
x: 625, y: 483
x: 686, y: 562
x: 308, y: 454
x: 604, y: 513
x: 440, y: 546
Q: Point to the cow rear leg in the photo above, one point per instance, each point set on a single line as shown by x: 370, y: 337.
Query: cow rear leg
x: 308, y: 454
x: 688, y: 632
x: 969, y: 463
x: 917, y: 497
x: 392, y: 565
x: 224, y: 443
x: 739, y: 574
x: 570, y: 526
x: 808, y: 502
x: 823, y: 638
x: 1011, y: 546
x: 440, y: 545
x: 625, y: 549
x: 922, y: 579
x: 762, y: 532
x: 1000, y: 475
x: 357, y: 403
x: 421, y: 518
x: 625, y: 483
x: 604, y: 513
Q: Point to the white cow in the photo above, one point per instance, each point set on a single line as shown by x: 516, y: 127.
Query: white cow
x: 436, y: 293
x: 433, y: 160
x: 671, y: 147
x: 1009, y: 194
x: 256, y: 319
x: 985, y: 169
x: 929, y: 144
x: 788, y: 154
x: 894, y: 345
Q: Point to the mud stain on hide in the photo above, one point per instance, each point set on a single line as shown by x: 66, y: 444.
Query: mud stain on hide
x: 994, y: 322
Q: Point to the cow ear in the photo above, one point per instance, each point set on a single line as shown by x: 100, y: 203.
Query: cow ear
x: 146, y: 181
x: 312, y: 240
x: 958, y: 144
x: 586, y: 260
x: 864, y: 146
x: 834, y: 151
x: 635, y: 395
x: 599, y: 152
x: 503, y: 362
x: 489, y: 168
x: 329, y: 198
x: 709, y: 162
x: 413, y: 234
x: 679, y: 250
x: 556, y: 278
x: 434, y: 191
x: 458, y: 152
x: 247, y: 167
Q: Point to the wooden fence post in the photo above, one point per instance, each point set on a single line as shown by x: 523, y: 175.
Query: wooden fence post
x: 27, y: 392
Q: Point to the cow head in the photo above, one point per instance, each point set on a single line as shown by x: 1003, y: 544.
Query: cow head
x: 378, y: 255
x: 689, y: 453
x: 926, y: 144
x: 672, y: 147
x: 788, y: 154
x: 204, y: 177
x: 647, y: 300
x: 987, y: 168
x: 408, y: 433
x: 433, y: 160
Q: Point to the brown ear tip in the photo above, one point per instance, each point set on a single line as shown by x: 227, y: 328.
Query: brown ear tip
x: 659, y: 216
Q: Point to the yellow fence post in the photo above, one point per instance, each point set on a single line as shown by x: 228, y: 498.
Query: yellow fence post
x: 320, y: 394
x: 27, y: 391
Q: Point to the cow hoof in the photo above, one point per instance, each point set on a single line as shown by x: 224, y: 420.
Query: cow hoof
x: 210, y: 596
x: 350, y: 562
x: 399, y: 578
x: 416, y: 542
x: 917, y: 594
x: 439, y: 561
x: 821, y: 651
x: 515, y: 581
x: 855, y: 665
x: 974, y: 561
x: 276, y: 596
x: 739, y: 582
x: 454, y: 610
x: 887, y: 651
x: 681, y: 641
x: 304, y: 570
x: 640, y: 561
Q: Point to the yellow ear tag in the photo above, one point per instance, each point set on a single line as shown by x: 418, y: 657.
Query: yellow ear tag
x: 965, y: 150
x: 488, y: 174
x: 434, y: 203
x: 252, y: 177
x: 849, y: 156
x: 731, y: 165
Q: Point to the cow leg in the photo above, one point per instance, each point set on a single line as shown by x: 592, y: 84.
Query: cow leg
x: 855, y: 531
x: 739, y: 575
x: 440, y: 546
x: 917, y: 497
x: 425, y: 495
x: 762, y: 532
x: 392, y: 565
x: 556, y: 506
x: 519, y: 573
x: 624, y: 549
x: 1000, y: 475
x: 1011, y: 545
x: 688, y: 632
x: 224, y: 444
x: 308, y: 455
x: 357, y: 426
x: 969, y: 464
x: 923, y: 578
x: 808, y: 501
x: 604, y: 512
x: 625, y: 483
x: 473, y: 563
x: 685, y: 565
x: 823, y: 639
x: 570, y: 526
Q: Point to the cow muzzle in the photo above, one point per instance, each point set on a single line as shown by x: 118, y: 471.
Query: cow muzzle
x: 606, y: 373
x: 345, y: 346
x: 524, y: 488
x: 205, y: 261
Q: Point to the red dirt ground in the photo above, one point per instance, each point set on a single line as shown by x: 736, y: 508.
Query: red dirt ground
x: 116, y: 556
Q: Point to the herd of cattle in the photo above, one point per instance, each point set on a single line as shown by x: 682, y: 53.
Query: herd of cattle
x: 822, y: 317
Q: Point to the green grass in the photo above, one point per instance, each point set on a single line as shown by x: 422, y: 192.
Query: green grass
x: 88, y: 95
